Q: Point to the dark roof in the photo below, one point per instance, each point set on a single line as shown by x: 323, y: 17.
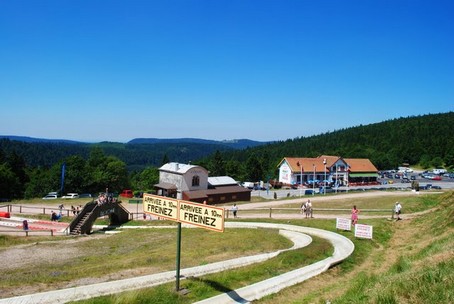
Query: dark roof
x: 167, y: 186
x: 219, y: 190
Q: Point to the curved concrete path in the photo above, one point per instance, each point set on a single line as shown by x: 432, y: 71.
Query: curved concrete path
x: 343, y: 248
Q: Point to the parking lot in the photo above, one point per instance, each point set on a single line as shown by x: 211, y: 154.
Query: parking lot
x: 386, y: 184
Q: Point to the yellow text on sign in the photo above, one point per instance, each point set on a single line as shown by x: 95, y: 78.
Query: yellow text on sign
x: 160, y: 206
x: 202, y: 215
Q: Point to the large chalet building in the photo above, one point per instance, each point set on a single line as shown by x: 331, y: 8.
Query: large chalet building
x: 330, y: 169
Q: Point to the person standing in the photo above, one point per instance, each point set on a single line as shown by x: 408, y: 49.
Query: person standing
x: 234, y: 210
x: 355, y: 212
x: 25, y: 225
x: 398, y: 210
x: 308, y: 209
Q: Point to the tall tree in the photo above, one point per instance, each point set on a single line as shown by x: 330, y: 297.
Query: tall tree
x: 9, y: 182
x: 217, y: 165
x: 254, y: 167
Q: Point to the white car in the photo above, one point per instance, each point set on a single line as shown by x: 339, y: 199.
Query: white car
x: 51, y: 196
x: 71, y: 195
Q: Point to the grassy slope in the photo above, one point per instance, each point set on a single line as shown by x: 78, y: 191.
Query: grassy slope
x: 409, y: 261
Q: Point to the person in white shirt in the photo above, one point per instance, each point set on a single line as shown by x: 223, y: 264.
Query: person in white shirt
x: 308, y: 208
x: 234, y: 210
x: 398, y: 210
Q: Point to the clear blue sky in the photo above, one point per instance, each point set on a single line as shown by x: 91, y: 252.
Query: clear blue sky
x: 110, y: 70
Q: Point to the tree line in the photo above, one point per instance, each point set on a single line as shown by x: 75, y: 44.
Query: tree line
x: 33, y: 169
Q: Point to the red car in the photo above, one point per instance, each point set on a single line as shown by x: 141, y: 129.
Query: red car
x: 127, y: 193
x: 436, y: 177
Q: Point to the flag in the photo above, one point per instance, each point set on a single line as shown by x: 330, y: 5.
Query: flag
x: 62, y: 181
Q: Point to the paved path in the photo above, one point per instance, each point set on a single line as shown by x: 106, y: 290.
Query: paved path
x: 343, y: 248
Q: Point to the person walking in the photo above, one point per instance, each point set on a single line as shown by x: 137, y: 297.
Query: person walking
x: 234, y: 210
x: 355, y: 212
x: 398, y: 210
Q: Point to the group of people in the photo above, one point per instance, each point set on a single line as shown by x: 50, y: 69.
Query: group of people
x: 75, y: 210
x: 306, y: 208
x: 104, y: 198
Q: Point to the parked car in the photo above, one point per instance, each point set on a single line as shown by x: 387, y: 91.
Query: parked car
x: 51, y: 196
x: 249, y: 185
x: 427, y: 175
x: 405, y: 180
x: 436, y: 177
x: 70, y: 196
x: 257, y: 187
x: 127, y: 193
x: 326, y: 189
x: 85, y: 195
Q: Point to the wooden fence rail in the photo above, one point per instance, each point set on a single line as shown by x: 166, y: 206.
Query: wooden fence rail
x: 29, y: 232
x: 272, y: 211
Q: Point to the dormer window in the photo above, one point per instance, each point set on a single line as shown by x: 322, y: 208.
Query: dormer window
x: 195, y: 181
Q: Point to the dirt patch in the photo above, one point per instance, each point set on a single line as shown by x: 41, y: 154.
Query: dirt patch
x: 42, y: 252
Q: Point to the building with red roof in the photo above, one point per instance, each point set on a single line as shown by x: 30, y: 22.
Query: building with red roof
x: 326, y: 169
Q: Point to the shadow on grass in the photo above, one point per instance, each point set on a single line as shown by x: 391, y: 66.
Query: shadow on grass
x: 221, y: 288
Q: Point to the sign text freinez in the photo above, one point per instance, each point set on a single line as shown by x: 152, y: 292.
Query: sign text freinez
x: 204, y: 216
x: 208, y: 217
x: 160, y: 206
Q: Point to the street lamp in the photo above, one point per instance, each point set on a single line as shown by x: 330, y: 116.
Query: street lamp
x: 301, y: 177
x: 324, y: 182
x: 313, y: 181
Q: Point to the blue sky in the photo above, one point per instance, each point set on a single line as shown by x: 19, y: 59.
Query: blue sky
x: 97, y: 70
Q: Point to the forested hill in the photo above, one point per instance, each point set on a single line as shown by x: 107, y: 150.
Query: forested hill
x: 427, y: 140
x: 137, y: 154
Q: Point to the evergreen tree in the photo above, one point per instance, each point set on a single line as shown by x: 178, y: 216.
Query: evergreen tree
x: 217, y: 165
x: 165, y: 160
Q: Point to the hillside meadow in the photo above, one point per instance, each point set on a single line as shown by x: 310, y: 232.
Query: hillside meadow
x: 409, y: 261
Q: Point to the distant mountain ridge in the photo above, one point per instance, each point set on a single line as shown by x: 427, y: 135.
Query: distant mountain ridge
x: 39, y: 140
x: 232, y: 143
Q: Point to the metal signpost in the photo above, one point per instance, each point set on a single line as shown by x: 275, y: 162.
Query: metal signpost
x: 181, y: 211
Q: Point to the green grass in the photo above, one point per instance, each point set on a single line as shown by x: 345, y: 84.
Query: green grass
x: 422, y: 271
x: 417, y: 271
x: 213, y: 284
x: 139, y: 249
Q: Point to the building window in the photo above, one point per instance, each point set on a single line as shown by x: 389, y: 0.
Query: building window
x: 195, y: 181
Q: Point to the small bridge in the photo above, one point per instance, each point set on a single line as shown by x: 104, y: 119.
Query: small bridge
x: 83, y: 222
